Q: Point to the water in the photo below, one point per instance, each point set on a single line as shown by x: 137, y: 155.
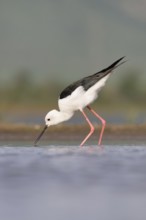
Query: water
x: 67, y: 183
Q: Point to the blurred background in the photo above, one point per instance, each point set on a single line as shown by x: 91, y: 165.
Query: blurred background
x: 44, y: 46
x: 47, y: 44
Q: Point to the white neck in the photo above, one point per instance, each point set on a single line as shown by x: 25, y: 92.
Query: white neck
x: 64, y: 116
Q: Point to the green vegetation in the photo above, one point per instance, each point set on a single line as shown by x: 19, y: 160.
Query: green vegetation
x: 127, y: 93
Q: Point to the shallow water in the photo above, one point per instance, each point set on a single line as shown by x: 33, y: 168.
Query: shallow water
x: 68, y: 182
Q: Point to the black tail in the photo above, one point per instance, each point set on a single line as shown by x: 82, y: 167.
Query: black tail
x: 112, y: 66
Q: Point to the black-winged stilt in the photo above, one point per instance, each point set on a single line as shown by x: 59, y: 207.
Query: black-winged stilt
x: 77, y: 96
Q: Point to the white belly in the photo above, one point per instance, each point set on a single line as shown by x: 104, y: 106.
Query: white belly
x: 73, y: 102
x: 80, y: 98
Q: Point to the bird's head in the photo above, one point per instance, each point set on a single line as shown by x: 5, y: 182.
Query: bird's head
x: 52, y: 118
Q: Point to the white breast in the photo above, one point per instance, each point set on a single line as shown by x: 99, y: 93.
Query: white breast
x: 72, y: 102
x: 80, y: 98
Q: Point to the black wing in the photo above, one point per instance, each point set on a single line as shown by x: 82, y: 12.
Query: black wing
x: 89, y: 81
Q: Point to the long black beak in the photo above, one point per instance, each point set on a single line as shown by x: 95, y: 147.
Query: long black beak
x: 40, y: 135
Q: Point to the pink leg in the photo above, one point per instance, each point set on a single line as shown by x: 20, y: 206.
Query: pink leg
x: 91, y: 128
x: 102, y: 121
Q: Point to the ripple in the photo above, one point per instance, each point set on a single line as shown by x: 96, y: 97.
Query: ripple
x: 68, y: 182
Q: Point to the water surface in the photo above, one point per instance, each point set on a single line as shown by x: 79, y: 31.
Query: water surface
x: 68, y: 182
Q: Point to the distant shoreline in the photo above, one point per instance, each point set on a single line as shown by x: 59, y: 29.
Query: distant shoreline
x: 23, y: 132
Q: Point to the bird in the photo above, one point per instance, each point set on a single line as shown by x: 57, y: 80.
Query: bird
x: 78, y: 96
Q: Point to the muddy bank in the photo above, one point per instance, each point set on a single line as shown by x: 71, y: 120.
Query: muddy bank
x: 21, y: 132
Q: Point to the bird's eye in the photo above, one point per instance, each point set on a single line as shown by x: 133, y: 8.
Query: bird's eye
x: 48, y: 119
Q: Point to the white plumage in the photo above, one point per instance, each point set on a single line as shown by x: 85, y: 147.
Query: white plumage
x: 79, y: 95
x: 80, y: 98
